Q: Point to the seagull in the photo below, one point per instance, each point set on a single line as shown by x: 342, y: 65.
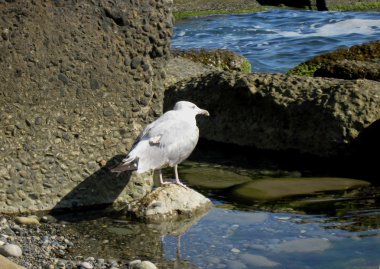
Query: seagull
x: 167, y: 141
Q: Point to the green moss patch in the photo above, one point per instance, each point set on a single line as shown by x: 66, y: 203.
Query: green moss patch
x: 357, y: 7
x: 186, y: 14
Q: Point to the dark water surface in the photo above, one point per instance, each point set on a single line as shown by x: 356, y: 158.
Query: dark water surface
x: 277, y: 40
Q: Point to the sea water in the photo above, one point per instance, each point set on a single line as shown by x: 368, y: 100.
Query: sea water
x: 277, y: 40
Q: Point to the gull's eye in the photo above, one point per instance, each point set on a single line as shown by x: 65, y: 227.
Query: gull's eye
x: 193, y: 106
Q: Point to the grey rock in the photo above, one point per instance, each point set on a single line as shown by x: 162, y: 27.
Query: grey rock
x: 168, y: 203
x: 11, y: 250
x: 86, y: 265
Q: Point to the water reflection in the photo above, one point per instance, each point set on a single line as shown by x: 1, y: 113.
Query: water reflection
x: 334, y: 229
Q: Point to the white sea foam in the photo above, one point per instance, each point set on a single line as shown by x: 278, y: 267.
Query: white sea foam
x: 346, y: 27
x: 350, y: 26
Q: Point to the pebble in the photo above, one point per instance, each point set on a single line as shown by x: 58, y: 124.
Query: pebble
x: 27, y: 220
x: 147, y: 265
x: 11, y: 250
x: 235, y: 250
x: 86, y: 265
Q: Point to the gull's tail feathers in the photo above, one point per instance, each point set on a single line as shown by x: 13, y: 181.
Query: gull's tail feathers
x: 127, y: 164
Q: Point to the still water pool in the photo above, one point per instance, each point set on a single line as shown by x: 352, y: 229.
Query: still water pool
x: 277, y: 40
x: 334, y: 229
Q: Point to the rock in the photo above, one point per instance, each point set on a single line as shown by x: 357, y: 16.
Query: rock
x: 7, y: 264
x: 69, y: 101
x: 303, y: 245
x: 31, y: 220
x: 356, y: 62
x: 277, y: 188
x: 212, y: 178
x: 319, y: 116
x: 350, y: 69
x: 236, y: 265
x: 138, y: 264
x: 220, y: 59
x: 86, y: 265
x: 179, y: 68
x: 10, y: 250
x: 168, y: 203
x: 135, y: 264
x: 147, y: 265
x: 257, y: 260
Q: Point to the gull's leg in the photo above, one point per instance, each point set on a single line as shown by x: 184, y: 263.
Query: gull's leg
x: 177, y: 178
x: 162, y: 182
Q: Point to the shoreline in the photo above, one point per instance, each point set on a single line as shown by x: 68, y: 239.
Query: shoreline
x: 182, y: 9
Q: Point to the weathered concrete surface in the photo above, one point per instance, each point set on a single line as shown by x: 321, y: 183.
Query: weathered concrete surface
x: 78, y: 81
x: 319, y: 116
x: 167, y: 203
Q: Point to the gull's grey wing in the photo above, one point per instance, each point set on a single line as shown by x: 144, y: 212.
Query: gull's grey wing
x: 178, y: 139
x: 155, y: 128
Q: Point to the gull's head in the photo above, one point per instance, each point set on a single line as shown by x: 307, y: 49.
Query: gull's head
x: 190, y: 108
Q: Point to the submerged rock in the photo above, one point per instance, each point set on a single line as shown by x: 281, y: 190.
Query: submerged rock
x: 212, y: 178
x: 168, y: 203
x: 303, y: 245
x: 277, y: 188
x: 257, y: 260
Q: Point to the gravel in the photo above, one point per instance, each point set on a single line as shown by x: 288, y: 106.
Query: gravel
x: 48, y: 246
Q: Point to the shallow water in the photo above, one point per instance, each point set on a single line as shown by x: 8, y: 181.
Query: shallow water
x: 277, y: 40
x: 339, y: 229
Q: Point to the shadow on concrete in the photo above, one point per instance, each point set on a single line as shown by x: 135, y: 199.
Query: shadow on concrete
x: 92, y: 197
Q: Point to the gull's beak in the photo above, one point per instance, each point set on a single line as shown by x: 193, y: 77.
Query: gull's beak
x: 204, y: 112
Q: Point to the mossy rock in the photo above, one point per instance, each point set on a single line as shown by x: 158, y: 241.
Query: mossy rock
x: 363, y: 52
x: 221, y: 59
x: 278, y: 188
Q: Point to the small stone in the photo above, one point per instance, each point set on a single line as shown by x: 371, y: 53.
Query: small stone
x: 135, y: 264
x: 11, y: 250
x: 147, y: 265
x: 235, y: 250
x: 27, y: 220
x: 86, y: 265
